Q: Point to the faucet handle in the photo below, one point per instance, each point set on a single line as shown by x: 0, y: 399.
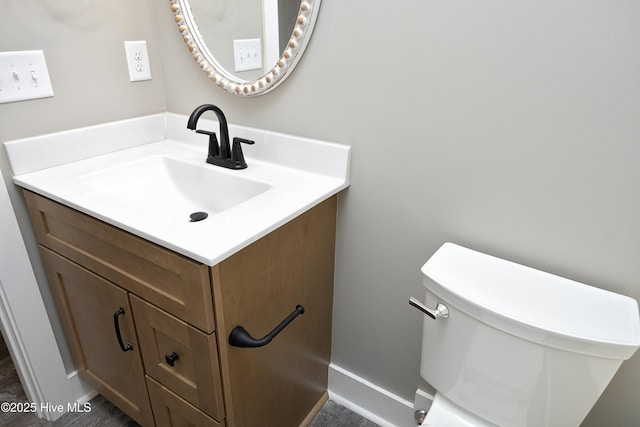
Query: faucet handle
x: 214, y: 149
x: 237, y: 157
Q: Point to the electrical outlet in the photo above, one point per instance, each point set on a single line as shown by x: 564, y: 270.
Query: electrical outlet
x: 138, y: 60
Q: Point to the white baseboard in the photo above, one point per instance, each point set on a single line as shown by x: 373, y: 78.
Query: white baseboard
x: 369, y: 400
x: 80, y: 392
x: 86, y: 393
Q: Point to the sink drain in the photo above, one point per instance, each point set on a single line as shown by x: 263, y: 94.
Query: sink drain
x: 198, y: 216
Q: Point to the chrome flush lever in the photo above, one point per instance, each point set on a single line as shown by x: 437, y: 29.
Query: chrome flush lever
x: 441, y: 311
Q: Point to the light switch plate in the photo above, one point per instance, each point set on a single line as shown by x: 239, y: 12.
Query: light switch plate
x: 24, y: 75
x: 247, y: 54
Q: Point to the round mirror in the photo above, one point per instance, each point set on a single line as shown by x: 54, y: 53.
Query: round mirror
x: 256, y: 43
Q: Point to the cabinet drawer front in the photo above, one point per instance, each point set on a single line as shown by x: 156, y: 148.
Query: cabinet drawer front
x: 88, y: 305
x: 167, y: 341
x: 170, y: 410
x: 169, y: 280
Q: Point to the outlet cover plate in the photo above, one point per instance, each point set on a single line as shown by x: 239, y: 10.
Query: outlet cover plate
x: 137, y: 60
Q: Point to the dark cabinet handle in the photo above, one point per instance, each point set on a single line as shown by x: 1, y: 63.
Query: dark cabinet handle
x: 171, y: 358
x: 239, y: 336
x: 116, y: 325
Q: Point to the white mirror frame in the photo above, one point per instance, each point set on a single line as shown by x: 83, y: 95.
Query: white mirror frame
x: 211, y: 67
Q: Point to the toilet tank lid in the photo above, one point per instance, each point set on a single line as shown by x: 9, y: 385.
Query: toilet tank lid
x: 535, y: 305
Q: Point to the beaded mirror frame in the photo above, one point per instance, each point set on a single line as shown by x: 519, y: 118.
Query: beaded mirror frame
x: 296, y: 46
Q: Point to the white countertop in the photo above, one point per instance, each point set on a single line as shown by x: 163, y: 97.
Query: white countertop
x: 299, y: 172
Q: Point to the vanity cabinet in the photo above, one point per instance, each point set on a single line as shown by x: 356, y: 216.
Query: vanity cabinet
x: 174, y: 364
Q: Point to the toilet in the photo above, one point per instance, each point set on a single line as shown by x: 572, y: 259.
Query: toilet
x: 508, y: 345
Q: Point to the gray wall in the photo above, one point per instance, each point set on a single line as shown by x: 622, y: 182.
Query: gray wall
x: 509, y: 127
x: 83, y: 43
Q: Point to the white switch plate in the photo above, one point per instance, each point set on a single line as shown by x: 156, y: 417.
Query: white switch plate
x: 247, y: 54
x: 24, y: 75
x: 138, y: 60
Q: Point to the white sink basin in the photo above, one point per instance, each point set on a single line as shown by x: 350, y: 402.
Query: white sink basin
x: 164, y: 186
x: 150, y: 185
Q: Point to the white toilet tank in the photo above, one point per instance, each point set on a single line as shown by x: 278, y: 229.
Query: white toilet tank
x: 521, y: 347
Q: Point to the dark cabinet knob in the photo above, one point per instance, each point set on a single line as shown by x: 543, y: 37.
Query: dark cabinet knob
x: 171, y: 358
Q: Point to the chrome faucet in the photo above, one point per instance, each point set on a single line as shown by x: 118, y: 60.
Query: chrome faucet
x: 220, y: 154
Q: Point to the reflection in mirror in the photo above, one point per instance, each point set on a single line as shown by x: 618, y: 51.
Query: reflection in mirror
x: 220, y: 22
x: 248, y: 47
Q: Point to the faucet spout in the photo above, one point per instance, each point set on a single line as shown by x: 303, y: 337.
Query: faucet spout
x: 220, y: 154
x: 225, y: 148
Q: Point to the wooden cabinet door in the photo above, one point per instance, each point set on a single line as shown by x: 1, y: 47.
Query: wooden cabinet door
x: 88, y: 305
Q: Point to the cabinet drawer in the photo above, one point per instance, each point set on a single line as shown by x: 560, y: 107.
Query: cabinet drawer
x: 170, y: 410
x: 169, y: 280
x: 180, y: 357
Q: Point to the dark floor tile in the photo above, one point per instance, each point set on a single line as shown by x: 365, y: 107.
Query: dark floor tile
x: 104, y: 414
x: 334, y: 415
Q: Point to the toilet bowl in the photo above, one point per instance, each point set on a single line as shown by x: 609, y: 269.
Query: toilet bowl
x: 445, y: 413
x: 508, y: 345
